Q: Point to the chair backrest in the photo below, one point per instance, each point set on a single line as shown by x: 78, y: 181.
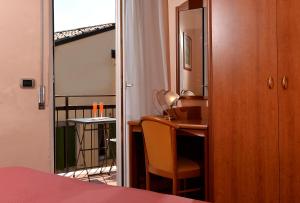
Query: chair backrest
x: 160, y: 144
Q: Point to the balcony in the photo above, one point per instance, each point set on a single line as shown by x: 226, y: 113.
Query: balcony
x: 97, y: 159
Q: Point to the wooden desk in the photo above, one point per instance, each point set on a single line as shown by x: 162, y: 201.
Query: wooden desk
x: 196, y: 128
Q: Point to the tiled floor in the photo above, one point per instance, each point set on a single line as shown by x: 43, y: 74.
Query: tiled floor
x: 97, y: 175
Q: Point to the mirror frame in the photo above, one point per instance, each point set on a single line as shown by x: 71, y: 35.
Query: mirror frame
x: 187, y: 5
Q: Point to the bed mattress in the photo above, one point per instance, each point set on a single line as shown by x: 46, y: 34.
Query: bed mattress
x: 22, y: 185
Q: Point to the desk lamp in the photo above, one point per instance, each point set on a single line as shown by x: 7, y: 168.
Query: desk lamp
x: 167, y: 99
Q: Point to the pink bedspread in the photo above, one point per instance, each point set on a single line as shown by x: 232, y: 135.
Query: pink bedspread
x: 20, y: 185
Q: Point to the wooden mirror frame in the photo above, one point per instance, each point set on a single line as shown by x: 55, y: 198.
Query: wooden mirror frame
x: 188, y: 5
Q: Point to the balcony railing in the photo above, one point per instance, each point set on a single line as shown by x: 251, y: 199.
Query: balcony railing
x: 86, y: 110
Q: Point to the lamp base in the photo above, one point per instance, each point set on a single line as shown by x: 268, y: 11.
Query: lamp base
x: 170, y: 114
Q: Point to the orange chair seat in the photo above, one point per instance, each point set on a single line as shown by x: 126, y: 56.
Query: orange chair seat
x: 187, y: 168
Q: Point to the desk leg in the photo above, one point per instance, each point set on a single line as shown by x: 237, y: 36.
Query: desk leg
x: 103, y: 138
x: 107, y: 139
x: 105, y: 146
x: 78, y: 153
x: 83, y: 154
x: 81, y: 150
x: 101, y: 161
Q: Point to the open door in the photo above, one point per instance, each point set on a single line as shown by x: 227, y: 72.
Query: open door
x: 88, y: 70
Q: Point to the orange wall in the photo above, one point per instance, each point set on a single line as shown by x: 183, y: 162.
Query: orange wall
x: 25, y: 131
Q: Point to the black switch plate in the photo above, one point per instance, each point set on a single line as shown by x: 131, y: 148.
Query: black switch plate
x: 27, y: 83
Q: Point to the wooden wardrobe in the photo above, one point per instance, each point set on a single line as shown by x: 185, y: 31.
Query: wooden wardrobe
x: 255, y: 101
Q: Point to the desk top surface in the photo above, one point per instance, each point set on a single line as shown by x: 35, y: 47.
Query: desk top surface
x: 191, y: 124
x: 186, y: 124
x: 93, y: 120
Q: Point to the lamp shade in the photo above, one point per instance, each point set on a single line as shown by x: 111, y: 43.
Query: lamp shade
x: 171, y: 98
x: 166, y: 99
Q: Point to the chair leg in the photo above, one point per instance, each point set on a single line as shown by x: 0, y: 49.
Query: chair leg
x: 174, y: 188
x: 184, y: 187
x: 148, y: 181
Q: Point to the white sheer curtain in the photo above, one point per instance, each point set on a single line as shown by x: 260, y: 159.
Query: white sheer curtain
x: 146, y: 54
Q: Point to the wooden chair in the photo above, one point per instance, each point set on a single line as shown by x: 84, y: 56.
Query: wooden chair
x: 161, y: 156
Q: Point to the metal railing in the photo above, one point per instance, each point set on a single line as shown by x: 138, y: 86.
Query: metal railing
x: 65, y: 111
x: 109, y: 110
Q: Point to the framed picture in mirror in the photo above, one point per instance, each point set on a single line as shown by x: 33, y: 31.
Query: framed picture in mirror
x: 187, y: 52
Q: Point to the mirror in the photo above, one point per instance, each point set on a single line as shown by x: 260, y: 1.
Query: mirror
x: 192, y: 51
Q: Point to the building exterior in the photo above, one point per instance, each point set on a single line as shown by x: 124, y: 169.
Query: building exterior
x: 84, y: 63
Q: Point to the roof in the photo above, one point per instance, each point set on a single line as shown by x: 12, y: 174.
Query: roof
x: 67, y: 36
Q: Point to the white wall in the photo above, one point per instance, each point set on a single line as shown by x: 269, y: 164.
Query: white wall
x: 25, y: 131
x: 85, y: 66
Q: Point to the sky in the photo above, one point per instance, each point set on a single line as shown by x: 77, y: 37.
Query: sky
x: 72, y: 14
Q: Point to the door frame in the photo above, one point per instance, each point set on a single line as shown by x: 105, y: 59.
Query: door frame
x: 120, y: 96
x: 120, y: 124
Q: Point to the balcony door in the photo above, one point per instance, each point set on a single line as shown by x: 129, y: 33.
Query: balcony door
x: 87, y: 63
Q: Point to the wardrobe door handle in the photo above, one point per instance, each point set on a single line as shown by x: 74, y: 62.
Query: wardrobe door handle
x: 285, y: 82
x: 270, y: 82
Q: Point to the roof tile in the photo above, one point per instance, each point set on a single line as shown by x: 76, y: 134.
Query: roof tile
x: 66, y: 36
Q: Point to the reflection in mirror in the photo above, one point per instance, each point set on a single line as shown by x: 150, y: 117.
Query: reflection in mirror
x: 192, y: 51
x: 187, y: 93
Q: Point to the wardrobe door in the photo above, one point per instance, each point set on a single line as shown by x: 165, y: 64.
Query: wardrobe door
x: 244, y: 137
x: 289, y: 98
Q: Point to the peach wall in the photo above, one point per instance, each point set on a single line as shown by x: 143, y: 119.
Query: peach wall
x: 85, y: 67
x: 25, y: 131
x: 191, y: 24
x: 172, y: 39
x: 172, y: 43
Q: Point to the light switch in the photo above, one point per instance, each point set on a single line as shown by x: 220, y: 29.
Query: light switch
x: 27, y: 83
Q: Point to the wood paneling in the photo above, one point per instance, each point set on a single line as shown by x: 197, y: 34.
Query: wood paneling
x: 288, y: 27
x: 194, y: 4
x: 244, y: 110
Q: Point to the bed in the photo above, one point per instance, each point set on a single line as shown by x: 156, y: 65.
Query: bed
x: 23, y: 185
